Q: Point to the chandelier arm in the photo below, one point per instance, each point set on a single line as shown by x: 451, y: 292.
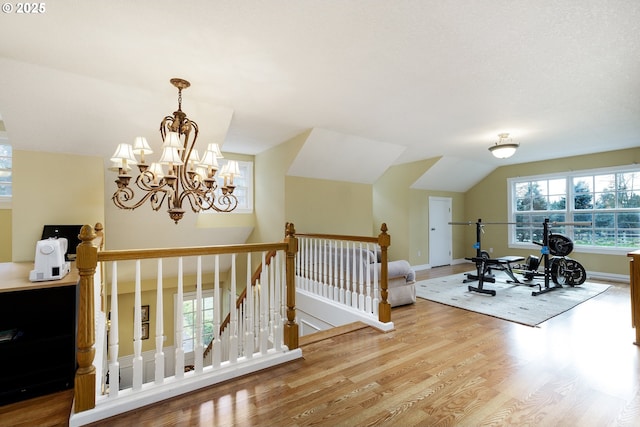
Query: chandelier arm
x: 123, y: 195
x: 225, y: 203
x: 163, y: 124
x: 187, y: 126
x: 144, y: 181
x: 193, y: 199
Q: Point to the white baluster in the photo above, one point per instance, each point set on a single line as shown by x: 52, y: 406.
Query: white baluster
x: 277, y: 323
x: 314, y: 266
x: 342, y: 270
x: 376, y: 284
x: 217, y: 344
x: 335, y: 272
x: 114, y: 366
x: 301, y: 261
x: 361, y: 267
x: 233, y: 315
x: 354, y: 277
x: 323, y: 267
x: 137, y: 332
x: 241, y: 326
x: 179, y: 325
x: 369, y: 263
x: 264, y: 314
x: 198, y: 347
x: 159, y: 356
x: 272, y: 292
x: 249, y: 337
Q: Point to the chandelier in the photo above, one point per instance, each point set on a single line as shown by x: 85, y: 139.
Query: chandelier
x: 502, y: 149
x: 188, y: 178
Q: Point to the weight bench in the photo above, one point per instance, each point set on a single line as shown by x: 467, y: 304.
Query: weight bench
x: 485, y: 265
x: 504, y: 264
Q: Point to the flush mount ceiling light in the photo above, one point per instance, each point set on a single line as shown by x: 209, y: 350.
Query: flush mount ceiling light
x: 188, y: 178
x: 505, y: 147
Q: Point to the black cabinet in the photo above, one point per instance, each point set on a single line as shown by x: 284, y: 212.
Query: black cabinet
x: 37, y: 341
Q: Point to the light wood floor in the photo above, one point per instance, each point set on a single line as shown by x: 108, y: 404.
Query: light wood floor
x: 442, y: 366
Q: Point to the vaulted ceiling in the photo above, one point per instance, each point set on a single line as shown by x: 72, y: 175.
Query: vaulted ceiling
x: 379, y: 82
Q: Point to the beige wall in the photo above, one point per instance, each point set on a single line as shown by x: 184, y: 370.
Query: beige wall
x: 394, y: 203
x: 419, y: 225
x: 5, y: 235
x: 271, y: 167
x: 51, y: 188
x: 331, y: 207
x: 488, y: 200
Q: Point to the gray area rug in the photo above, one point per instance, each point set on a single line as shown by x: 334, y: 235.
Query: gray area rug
x: 512, y: 302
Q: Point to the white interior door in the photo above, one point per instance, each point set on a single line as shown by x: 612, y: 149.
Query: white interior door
x: 440, y: 233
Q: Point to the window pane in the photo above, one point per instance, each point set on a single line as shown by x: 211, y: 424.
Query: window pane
x: 629, y: 199
x: 628, y: 220
x: 604, y: 237
x: 630, y: 180
x: 583, y: 235
x: 538, y: 193
x: 5, y: 189
x: 558, y: 186
x: 629, y: 238
x: 583, y: 197
x: 606, y: 200
x: 557, y: 203
x: 603, y: 183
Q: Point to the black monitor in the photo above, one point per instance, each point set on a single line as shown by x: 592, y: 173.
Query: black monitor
x: 69, y: 232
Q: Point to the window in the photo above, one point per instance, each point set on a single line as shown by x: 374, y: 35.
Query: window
x: 189, y: 319
x: 6, y: 155
x: 244, y: 186
x: 608, y: 199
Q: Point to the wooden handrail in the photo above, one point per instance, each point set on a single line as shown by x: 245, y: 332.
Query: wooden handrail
x: 339, y: 237
x: 134, y: 254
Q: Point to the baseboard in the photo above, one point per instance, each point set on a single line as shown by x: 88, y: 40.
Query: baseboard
x: 624, y: 278
x: 429, y: 267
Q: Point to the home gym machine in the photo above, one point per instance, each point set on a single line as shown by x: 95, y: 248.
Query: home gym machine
x: 485, y: 264
x: 559, y: 268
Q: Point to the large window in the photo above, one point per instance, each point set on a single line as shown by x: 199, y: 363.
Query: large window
x: 609, y: 200
x: 6, y: 155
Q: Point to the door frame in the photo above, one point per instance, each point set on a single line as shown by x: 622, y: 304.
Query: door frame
x: 432, y: 241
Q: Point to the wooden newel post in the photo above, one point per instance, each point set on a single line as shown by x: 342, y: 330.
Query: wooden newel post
x: 291, y: 327
x: 85, y: 380
x: 384, y: 308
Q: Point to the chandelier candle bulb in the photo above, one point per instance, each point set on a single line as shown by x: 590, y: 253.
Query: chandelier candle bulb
x: 189, y: 178
x: 141, y: 147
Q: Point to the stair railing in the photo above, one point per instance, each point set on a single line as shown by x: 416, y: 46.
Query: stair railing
x: 276, y: 323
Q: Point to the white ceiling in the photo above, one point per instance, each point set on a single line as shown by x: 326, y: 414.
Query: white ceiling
x: 392, y: 81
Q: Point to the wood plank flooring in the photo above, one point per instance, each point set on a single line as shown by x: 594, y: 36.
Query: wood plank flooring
x: 442, y: 366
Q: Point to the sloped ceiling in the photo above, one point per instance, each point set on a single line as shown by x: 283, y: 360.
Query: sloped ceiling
x: 453, y: 174
x: 331, y: 155
x: 436, y: 78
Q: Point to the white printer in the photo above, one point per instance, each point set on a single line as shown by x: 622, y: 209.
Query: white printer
x: 50, y: 261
